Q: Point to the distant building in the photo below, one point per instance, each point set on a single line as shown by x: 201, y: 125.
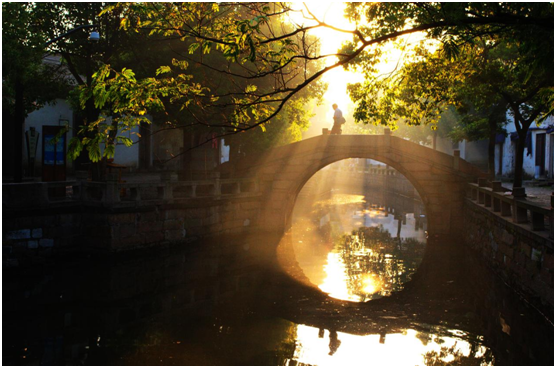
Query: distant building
x: 475, y: 152
x: 59, y: 114
x: 153, y: 151
x: 538, y: 158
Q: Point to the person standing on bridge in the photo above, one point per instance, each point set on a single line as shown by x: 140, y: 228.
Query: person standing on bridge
x: 338, y: 120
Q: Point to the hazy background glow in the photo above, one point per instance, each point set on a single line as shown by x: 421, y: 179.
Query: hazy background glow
x: 331, y: 40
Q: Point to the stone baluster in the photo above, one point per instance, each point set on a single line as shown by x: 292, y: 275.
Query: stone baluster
x: 481, y: 194
x: 519, y: 213
x: 496, y: 188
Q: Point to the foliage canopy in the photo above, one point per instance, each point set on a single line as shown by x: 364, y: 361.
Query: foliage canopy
x: 233, y: 67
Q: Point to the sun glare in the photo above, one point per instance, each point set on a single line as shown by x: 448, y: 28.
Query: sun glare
x: 331, y: 41
x: 371, y: 284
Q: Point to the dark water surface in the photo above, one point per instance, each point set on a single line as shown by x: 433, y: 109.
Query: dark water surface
x: 357, y: 290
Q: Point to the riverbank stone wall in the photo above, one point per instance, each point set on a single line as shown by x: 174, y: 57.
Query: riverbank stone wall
x: 524, y: 259
x: 32, y: 236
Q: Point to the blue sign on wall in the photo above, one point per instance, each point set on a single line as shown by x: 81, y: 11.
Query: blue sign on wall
x: 53, y: 151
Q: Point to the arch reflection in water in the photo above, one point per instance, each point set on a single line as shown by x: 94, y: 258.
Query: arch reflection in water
x: 437, y: 347
x: 359, y: 230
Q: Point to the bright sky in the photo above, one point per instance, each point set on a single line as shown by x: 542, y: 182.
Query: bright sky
x: 333, y: 13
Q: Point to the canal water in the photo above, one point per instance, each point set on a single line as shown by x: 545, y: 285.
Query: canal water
x: 351, y: 283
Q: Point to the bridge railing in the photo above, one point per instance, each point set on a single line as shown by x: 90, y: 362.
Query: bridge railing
x: 113, y: 193
x: 520, y: 211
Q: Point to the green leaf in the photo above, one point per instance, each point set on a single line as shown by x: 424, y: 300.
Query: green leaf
x: 109, y: 151
x: 125, y: 140
x: 193, y: 47
x: 163, y: 70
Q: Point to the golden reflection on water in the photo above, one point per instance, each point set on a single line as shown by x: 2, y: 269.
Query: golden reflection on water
x: 351, y: 254
x: 410, y: 348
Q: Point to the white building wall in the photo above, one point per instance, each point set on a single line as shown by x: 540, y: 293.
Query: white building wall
x: 475, y: 153
x: 509, y: 148
x: 52, y: 114
x: 58, y: 114
x: 128, y: 156
x: 508, y: 157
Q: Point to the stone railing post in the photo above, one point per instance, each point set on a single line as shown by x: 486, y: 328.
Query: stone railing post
x: 481, y: 194
x: 518, y: 192
x: 519, y: 213
x: 496, y: 188
x: 387, y: 136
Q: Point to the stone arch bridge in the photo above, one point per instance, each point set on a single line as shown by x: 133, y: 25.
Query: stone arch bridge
x: 439, y: 178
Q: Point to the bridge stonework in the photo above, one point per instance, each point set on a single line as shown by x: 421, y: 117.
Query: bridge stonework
x: 439, y: 178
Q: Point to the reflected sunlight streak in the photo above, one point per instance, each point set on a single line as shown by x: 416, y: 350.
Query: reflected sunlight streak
x: 372, y: 349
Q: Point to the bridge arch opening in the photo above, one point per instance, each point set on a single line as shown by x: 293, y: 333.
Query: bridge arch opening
x: 358, y: 229
x: 331, y: 160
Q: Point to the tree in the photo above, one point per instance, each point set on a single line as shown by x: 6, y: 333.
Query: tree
x: 485, y: 79
x: 494, y: 53
x: 484, y: 123
x: 245, y: 35
x: 434, y: 89
x: 172, y: 89
x: 27, y: 82
x: 32, y: 31
x: 64, y: 24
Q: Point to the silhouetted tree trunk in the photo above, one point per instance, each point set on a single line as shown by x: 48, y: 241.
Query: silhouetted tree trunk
x: 520, y: 150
